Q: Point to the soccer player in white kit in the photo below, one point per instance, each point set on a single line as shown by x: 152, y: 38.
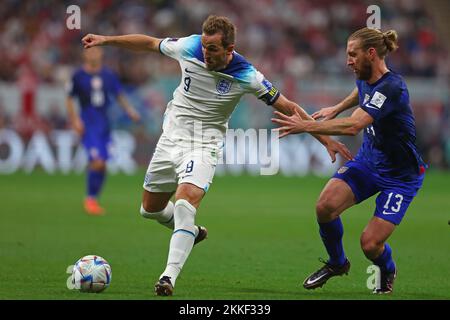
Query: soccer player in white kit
x: 214, y: 78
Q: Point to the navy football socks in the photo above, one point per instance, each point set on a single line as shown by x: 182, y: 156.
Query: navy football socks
x: 384, y: 261
x: 331, y: 233
x: 95, y: 181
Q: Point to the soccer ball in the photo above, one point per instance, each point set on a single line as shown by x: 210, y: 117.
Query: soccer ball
x: 91, y: 274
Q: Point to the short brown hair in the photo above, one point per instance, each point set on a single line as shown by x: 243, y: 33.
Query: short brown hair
x: 382, y: 42
x: 214, y: 24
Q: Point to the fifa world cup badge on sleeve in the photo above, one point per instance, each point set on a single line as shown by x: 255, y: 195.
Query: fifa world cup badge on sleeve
x: 378, y: 99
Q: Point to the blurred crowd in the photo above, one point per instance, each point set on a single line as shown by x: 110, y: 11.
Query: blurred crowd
x: 289, y: 39
x: 296, y: 37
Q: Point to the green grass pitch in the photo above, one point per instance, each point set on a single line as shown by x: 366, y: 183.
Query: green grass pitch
x: 263, y: 240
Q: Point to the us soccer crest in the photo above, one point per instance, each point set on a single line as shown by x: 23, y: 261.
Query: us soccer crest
x: 342, y: 170
x: 366, y: 98
x: 223, y: 86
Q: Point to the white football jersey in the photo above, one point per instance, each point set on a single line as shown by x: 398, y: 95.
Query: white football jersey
x: 203, y: 102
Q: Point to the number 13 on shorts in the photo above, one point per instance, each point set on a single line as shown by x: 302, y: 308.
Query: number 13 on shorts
x: 396, y: 204
x: 392, y: 206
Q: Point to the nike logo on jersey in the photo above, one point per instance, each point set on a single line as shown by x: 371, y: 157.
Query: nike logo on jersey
x: 368, y: 105
x: 187, y: 71
x: 387, y: 213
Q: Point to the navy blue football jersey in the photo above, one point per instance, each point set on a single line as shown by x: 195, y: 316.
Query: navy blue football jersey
x: 389, y: 143
x: 94, y: 95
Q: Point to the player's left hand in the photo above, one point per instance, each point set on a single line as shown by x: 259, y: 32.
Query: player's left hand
x: 334, y: 147
x: 289, y: 124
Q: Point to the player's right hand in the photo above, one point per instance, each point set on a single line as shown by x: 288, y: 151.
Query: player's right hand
x: 91, y: 40
x: 325, y: 113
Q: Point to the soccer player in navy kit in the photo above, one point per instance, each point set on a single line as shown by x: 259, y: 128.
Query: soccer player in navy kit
x: 94, y: 85
x: 387, y: 163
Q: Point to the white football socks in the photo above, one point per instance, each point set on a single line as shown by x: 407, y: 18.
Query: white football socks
x: 164, y: 217
x: 182, y: 239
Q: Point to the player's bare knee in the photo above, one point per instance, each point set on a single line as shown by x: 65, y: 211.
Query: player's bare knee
x: 190, y: 193
x: 325, y: 210
x: 97, y: 165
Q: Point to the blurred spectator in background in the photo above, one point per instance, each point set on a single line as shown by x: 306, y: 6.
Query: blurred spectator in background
x: 93, y: 85
x: 36, y: 32
x: 290, y: 39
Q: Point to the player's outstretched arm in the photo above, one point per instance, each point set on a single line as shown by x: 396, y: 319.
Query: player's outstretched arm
x: 289, y: 108
x: 295, y: 123
x: 135, y: 42
x: 331, y: 112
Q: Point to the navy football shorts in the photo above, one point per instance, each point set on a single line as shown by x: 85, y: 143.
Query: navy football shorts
x: 97, y: 146
x: 394, y: 196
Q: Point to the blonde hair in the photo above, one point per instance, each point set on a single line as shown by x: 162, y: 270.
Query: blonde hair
x: 382, y: 42
x: 214, y: 24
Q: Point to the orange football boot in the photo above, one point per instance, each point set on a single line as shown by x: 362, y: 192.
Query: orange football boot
x: 92, y: 207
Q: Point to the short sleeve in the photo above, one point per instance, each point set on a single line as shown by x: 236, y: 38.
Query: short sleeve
x: 382, y: 102
x: 178, y: 48
x: 263, y: 88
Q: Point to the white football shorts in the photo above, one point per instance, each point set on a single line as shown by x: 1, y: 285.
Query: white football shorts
x: 179, y: 162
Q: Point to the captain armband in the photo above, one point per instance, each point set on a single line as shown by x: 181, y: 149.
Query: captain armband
x: 271, y: 96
